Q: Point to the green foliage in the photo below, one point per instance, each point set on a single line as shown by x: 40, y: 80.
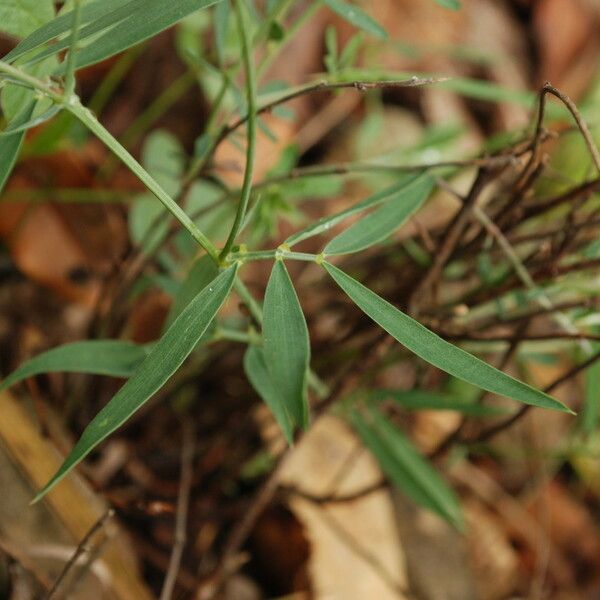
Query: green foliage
x: 405, y: 466
x: 255, y: 367
x: 357, y: 17
x: 424, y: 400
x: 391, y: 194
x: 277, y: 361
x: 164, y: 359
x: 11, y: 144
x: 286, y: 345
x: 436, y: 351
x: 20, y: 17
x: 380, y: 224
x: 99, y: 357
x: 451, y: 4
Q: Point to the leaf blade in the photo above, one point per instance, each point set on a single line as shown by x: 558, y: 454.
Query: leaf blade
x: 147, y: 20
x: 380, y: 224
x: 257, y: 372
x: 324, y: 224
x: 61, y: 25
x: 437, y: 351
x: 357, y: 17
x: 11, y: 144
x: 115, y: 358
x: 406, y: 467
x: 286, y: 344
x: 164, y: 359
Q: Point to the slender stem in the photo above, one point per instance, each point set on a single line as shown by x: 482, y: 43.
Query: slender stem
x: 71, y: 56
x: 248, y: 299
x: 90, y: 121
x: 251, y: 129
x: 271, y: 255
x: 324, y: 85
x: 235, y: 335
x: 82, y: 548
x: 31, y: 81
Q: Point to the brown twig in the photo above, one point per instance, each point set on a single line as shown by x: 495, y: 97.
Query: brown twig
x: 451, y: 238
x: 181, y: 516
x: 81, y: 549
x: 326, y: 86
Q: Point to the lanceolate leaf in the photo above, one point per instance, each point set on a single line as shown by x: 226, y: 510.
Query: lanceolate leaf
x: 326, y: 223
x: 436, y: 351
x: 165, y: 358
x: 380, y: 224
x: 256, y: 370
x: 286, y: 344
x: 152, y: 17
x: 405, y: 467
x: 98, y: 357
x: 34, y: 122
x: 11, y: 144
x: 357, y: 17
x: 120, y: 23
x: 62, y: 24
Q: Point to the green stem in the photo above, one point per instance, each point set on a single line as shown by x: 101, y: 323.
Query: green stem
x: 90, y: 121
x: 271, y: 255
x: 31, y: 81
x: 235, y: 335
x: 251, y: 127
x: 249, y: 300
x: 70, y: 69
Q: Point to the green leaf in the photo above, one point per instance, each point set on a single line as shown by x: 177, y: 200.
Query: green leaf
x: 357, y: 17
x: 203, y: 271
x: 451, y: 4
x: 326, y: 223
x: 591, y: 407
x: 120, y: 25
x: 258, y: 374
x: 164, y: 359
x: 286, y: 344
x: 92, y: 11
x: 98, y: 357
x: 15, y: 127
x: 380, y: 224
x: 143, y: 22
x: 424, y: 400
x: 21, y: 17
x: 405, y: 466
x: 436, y: 351
x: 10, y: 145
x: 221, y: 24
